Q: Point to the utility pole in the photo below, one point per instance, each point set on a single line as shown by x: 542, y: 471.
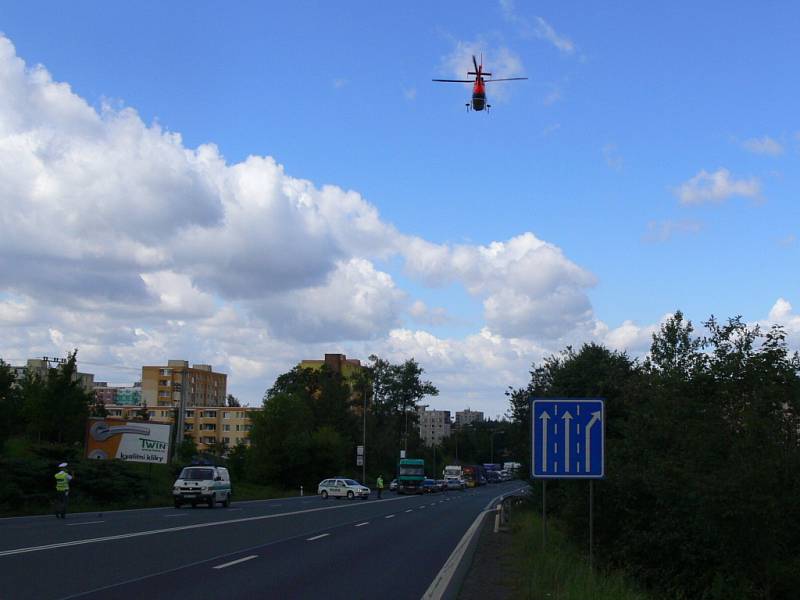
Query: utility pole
x: 364, y: 440
x: 181, y: 416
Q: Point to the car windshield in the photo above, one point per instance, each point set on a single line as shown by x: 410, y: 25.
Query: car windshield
x: 351, y: 482
x: 197, y: 474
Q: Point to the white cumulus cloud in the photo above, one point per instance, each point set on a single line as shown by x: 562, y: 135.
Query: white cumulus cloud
x: 716, y: 187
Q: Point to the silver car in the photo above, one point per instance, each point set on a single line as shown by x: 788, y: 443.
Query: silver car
x: 342, y: 488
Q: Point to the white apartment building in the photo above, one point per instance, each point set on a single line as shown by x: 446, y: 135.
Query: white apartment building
x: 434, y: 425
x: 467, y: 417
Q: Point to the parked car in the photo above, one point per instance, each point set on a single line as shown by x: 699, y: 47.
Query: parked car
x: 393, y: 485
x: 493, y: 476
x: 202, y: 484
x: 441, y: 484
x: 455, y: 483
x: 429, y: 486
x: 342, y: 488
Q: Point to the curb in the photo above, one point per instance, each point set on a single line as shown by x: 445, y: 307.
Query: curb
x: 447, y: 583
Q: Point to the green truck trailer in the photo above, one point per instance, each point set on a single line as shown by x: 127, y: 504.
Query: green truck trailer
x: 410, y: 475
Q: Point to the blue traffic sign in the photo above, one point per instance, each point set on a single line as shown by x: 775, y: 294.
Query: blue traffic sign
x: 568, y: 438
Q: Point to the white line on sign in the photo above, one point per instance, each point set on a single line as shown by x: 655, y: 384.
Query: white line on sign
x: 317, y: 537
x: 84, y: 523
x: 362, y: 524
x: 236, y: 562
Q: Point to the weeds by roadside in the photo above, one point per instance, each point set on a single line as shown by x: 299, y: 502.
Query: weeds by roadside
x: 559, y: 571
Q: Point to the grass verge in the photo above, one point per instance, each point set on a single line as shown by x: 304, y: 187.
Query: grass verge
x: 559, y: 571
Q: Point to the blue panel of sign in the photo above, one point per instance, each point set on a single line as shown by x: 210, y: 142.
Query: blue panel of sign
x: 568, y: 438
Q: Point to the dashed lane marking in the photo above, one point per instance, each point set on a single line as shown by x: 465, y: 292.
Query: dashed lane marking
x: 84, y: 523
x: 136, y: 534
x: 389, y: 517
x: 362, y: 524
x: 410, y: 510
x: 236, y: 562
x: 317, y: 537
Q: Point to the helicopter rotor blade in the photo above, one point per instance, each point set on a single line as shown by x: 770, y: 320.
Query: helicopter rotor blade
x: 455, y: 80
x: 506, y: 79
x: 475, y: 62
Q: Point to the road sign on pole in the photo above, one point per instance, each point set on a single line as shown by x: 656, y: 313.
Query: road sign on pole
x: 568, y: 438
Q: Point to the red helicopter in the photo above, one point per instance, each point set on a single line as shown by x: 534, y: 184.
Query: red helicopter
x: 478, y: 89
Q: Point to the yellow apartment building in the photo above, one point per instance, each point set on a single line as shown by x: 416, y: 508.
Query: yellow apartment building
x: 201, y: 386
x: 208, y: 426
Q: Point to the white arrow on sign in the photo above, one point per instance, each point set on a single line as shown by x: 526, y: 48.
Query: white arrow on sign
x: 567, y: 422
x: 588, y: 430
x: 545, y: 418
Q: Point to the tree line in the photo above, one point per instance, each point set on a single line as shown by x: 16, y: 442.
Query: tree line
x: 701, y: 497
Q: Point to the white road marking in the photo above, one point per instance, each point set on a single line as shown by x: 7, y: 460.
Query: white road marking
x: 176, y: 515
x: 389, y: 517
x: 317, y: 537
x: 410, y: 510
x: 362, y: 524
x: 84, y: 523
x: 236, y: 562
x: 233, y: 509
x: 423, y: 506
x: 123, y: 536
x: 442, y: 580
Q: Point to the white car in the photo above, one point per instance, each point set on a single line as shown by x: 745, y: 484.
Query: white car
x: 342, y: 488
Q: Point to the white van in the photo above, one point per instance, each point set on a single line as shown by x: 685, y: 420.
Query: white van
x: 202, y: 484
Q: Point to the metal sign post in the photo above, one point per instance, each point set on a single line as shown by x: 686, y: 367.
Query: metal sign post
x: 591, y: 520
x: 544, y: 513
x: 568, y: 442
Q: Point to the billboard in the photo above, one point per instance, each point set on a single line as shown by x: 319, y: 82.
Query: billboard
x: 136, y: 441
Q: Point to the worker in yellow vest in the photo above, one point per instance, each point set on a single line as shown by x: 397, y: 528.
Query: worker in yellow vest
x: 62, y: 491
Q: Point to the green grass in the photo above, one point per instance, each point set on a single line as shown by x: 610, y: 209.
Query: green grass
x: 28, y: 486
x: 560, y: 571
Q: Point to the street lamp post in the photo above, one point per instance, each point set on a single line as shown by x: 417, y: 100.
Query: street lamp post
x: 494, y: 433
x: 364, y: 441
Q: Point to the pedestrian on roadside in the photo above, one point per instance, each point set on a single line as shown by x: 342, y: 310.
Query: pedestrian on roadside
x: 62, y: 491
x: 379, y: 484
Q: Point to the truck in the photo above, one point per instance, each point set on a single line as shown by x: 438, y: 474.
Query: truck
x: 474, y: 475
x: 410, y: 475
x: 452, y: 472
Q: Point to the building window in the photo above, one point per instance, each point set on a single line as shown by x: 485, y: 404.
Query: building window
x: 226, y: 427
x: 165, y: 372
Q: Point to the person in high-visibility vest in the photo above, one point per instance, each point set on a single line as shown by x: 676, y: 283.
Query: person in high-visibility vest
x: 62, y: 491
x: 379, y: 485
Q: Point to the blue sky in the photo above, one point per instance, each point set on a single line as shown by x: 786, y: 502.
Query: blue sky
x: 625, y: 103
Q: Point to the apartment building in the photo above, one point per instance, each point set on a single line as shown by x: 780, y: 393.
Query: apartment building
x: 130, y: 395
x: 40, y: 367
x: 338, y: 363
x: 201, y: 386
x: 208, y: 426
x: 104, y: 393
x: 434, y: 425
x: 467, y: 417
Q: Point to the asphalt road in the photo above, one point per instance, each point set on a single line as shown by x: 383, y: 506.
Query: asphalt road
x: 285, y: 548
